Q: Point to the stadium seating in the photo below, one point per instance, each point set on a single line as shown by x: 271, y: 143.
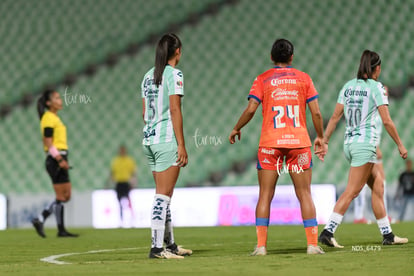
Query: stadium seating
x: 43, y: 40
x: 221, y: 56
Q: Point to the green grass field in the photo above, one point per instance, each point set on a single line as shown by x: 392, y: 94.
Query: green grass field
x: 217, y: 251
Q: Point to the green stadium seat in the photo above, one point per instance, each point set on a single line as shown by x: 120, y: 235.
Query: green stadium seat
x: 221, y: 56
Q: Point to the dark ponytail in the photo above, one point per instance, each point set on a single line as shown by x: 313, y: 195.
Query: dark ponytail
x: 282, y: 50
x: 41, y: 102
x: 166, y: 48
x: 369, y: 60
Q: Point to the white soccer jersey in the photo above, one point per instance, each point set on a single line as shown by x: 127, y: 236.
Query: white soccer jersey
x: 158, y: 127
x: 378, y: 128
x: 361, y: 100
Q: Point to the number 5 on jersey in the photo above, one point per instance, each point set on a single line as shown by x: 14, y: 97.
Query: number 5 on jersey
x: 292, y: 113
x: 151, y: 105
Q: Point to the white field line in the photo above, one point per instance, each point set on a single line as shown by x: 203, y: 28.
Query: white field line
x: 54, y: 258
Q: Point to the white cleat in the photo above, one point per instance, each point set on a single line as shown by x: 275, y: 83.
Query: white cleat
x: 327, y: 238
x: 314, y: 249
x: 397, y: 240
x: 165, y: 254
x: 182, y: 251
x: 336, y: 244
x: 179, y: 250
x: 259, y: 251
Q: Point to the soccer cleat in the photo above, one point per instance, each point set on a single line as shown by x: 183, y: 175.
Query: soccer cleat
x: 328, y: 239
x: 314, y: 249
x: 178, y: 250
x: 66, y: 234
x: 164, y: 254
x: 259, y: 251
x: 395, y: 240
x: 38, y: 225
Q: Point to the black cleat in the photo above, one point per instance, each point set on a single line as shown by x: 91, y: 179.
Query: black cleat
x: 328, y: 239
x: 66, y: 234
x: 38, y: 225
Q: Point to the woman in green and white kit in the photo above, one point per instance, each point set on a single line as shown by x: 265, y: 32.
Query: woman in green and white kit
x: 362, y: 100
x: 359, y: 201
x: 163, y: 143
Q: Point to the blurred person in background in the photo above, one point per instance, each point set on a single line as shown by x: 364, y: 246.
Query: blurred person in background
x: 123, y: 174
x: 362, y: 100
x: 56, y: 148
x: 162, y: 89
x: 284, y: 93
x: 405, y: 190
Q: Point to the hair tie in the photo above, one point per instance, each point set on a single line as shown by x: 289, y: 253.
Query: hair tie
x: 376, y: 63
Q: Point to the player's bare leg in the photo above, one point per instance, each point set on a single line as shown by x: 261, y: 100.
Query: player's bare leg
x: 376, y: 183
x: 161, y: 217
x: 267, y: 185
x: 357, y: 178
x: 302, y: 184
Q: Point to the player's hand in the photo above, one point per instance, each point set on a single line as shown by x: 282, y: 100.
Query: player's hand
x: 379, y: 153
x: 63, y: 164
x: 233, y: 134
x: 403, y: 151
x: 320, y: 148
x: 182, y: 159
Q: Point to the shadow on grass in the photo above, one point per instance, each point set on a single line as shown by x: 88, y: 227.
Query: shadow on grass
x: 286, y: 251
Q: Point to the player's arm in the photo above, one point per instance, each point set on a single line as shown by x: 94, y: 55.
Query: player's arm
x: 333, y: 121
x: 320, y: 147
x: 246, y: 116
x: 379, y: 153
x: 48, y: 142
x: 391, y: 129
x: 316, y: 117
x: 177, y: 122
x: 133, y: 180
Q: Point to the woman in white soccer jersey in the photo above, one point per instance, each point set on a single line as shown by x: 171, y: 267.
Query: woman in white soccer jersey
x: 163, y: 143
x: 362, y: 100
x: 359, y: 202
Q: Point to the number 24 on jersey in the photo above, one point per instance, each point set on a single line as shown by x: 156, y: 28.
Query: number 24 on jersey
x: 284, y: 113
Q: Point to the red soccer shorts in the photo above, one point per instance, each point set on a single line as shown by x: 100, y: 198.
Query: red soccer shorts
x: 297, y: 160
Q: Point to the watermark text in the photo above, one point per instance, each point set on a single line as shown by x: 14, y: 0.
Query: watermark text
x: 206, y: 140
x: 74, y: 98
x: 365, y: 248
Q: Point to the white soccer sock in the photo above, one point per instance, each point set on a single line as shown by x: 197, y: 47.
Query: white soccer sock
x: 158, y: 216
x: 333, y: 222
x: 168, y: 234
x: 47, y: 211
x: 384, y: 225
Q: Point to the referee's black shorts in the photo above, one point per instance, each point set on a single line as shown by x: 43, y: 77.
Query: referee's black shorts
x: 122, y: 189
x: 56, y: 173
